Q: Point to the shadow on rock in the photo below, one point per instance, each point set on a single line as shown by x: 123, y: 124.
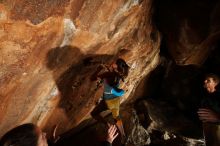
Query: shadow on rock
x: 72, y: 71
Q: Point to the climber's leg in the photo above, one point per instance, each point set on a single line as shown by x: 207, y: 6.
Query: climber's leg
x: 97, y: 111
x: 114, y: 105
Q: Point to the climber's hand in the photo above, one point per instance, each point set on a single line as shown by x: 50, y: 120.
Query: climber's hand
x: 112, y: 133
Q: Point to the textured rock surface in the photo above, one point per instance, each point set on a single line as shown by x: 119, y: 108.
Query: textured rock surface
x: 136, y: 134
x: 44, y: 76
x: 94, y: 133
x: 166, y: 125
x: 190, y: 28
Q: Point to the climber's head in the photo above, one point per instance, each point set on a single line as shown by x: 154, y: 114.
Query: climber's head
x: 24, y: 135
x: 121, y: 67
x: 120, y: 72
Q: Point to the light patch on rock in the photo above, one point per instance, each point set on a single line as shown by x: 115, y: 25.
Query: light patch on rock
x: 153, y: 125
x: 54, y: 92
x: 133, y: 66
x: 24, y: 74
x: 194, y: 142
x: 135, y: 2
x: 3, y: 15
x: 139, y: 136
x: 166, y: 136
x: 127, y: 6
x: 69, y: 29
x: 132, y: 3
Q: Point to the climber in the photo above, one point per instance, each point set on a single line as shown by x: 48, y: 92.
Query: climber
x: 210, y: 111
x: 110, y: 99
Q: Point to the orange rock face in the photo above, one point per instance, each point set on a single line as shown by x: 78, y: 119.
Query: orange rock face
x: 44, y: 76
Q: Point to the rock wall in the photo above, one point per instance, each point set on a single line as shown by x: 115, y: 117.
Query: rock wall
x: 50, y: 48
x: 190, y: 28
